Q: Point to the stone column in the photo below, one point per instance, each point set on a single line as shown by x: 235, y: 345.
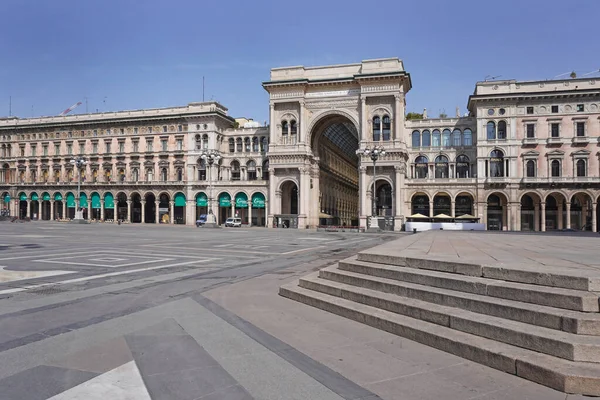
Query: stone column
x: 543, y: 210
x: 64, y: 208
x: 536, y: 217
x: 128, y: 210
x: 517, y: 226
x: 143, y: 211
x: 485, y: 215
x: 51, y: 210
x: 39, y: 210
x: 157, y: 219
x: 266, y: 208
x: 430, y: 208
x: 399, y: 197
x: 115, y: 208
x: 28, y: 208
x: 102, y: 209
x: 568, y: 215
x: 270, y: 211
x: 594, y: 216
x: 171, y: 211
x: 452, y: 208
x: 250, y: 213
x: 301, y: 133
x: 362, y: 188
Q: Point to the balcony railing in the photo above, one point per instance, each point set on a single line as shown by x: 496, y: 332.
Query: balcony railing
x: 581, y: 139
x: 530, y: 140
x: 555, y: 140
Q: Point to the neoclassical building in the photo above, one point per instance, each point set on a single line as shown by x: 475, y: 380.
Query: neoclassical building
x: 526, y: 156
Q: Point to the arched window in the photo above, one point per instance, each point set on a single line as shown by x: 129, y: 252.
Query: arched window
x: 179, y: 174
x: 555, y: 169
x: 293, y: 127
x: 56, y: 176
x: 502, y: 130
x: 198, y: 142
x: 387, y: 127
x: 491, y: 130
x: 264, y: 144
x: 456, y: 139
x: 446, y: 138
x: 33, y: 176
x: 202, y: 170
x: 239, y: 146
x: 426, y: 139
x: 235, y: 171
x: 530, y: 169
x: 441, y: 166
x: 107, y: 175
x: 231, y: 145
x: 467, y: 138
x: 205, y: 141
x: 436, y: 139
x: 251, y: 169
x: 581, y: 168
x: 496, y: 163
x: 284, y: 128
x: 255, y: 144
x: 421, y: 167
x: 463, y: 167
x: 94, y: 175
x: 135, y: 174
x: 149, y: 174
x: 265, y: 170
x: 247, y: 147
x: 121, y: 175
x: 376, y: 129
x: 163, y: 174
x: 416, y: 139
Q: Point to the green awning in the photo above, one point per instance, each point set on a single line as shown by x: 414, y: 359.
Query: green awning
x: 83, y: 202
x: 23, y: 196
x: 70, y: 200
x: 34, y: 196
x: 224, y: 200
x: 58, y: 197
x: 109, y: 201
x: 258, y: 200
x: 179, y: 200
x: 241, y: 200
x: 46, y: 196
x: 201, y: 200
x: 96, y: 200
x: 7, y: 198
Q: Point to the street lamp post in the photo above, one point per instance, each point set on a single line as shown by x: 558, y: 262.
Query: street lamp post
x: 78, y: 163
x: 210, y: 157
x: 374, y: 153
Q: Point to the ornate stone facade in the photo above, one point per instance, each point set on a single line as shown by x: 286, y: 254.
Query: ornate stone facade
x: 526, y: 156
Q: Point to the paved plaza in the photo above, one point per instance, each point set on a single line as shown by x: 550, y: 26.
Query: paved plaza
x: 168, y: 312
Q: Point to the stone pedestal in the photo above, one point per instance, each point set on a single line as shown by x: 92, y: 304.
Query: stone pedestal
x: 211, y: 222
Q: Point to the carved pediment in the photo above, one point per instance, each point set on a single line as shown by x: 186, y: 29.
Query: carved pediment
x: 148, y: 164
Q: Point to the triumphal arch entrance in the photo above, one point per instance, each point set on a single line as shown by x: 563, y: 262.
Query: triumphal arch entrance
x: 319, y: 118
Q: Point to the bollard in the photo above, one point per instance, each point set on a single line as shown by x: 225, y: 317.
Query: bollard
x: 414, y: 230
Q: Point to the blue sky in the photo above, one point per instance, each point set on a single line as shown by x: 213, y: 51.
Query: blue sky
x: 126, y: 54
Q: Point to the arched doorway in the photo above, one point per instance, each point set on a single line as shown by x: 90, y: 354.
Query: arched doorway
x: 71, y: 205
x: 496, y: 207
x: 34, y: 206
x: 334, y: 141
x: 5, y: 209
x: 383, y: 199
x: 442, y: 205
x: 581, y: 212
x: 530, y: 212
x: 58, y: 206
x: 150, y: 211
x: 83, y: 204
x: 179, y: 208
x: 241, y: 207
x: 122, y: 206
x: 555, y: 215
x: 420, y: 204
x: 136, y: 208
x: 224, y: 207
x: 163, y: 208
x: 96, y: 206
x: 45, y: 213
x: 258, y: 209
x: 109, y: 207
x: 23, y: 205
x: 289, y: 198
x: 463, y: 205
x: 201, y: 204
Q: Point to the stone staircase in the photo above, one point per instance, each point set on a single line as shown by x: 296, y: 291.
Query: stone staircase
x: 543, y: 326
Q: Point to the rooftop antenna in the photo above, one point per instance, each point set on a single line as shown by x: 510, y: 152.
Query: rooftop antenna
x: 596, y: 71
x: 491, y: 78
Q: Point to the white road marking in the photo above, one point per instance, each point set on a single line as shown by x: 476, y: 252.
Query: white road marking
x: 241, y: 251
x: 89, y: 278
x: 12, y: 276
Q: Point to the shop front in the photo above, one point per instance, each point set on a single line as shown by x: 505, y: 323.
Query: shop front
x: 258, y: 209
x: 224, y: 207
x: 241, y: 207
